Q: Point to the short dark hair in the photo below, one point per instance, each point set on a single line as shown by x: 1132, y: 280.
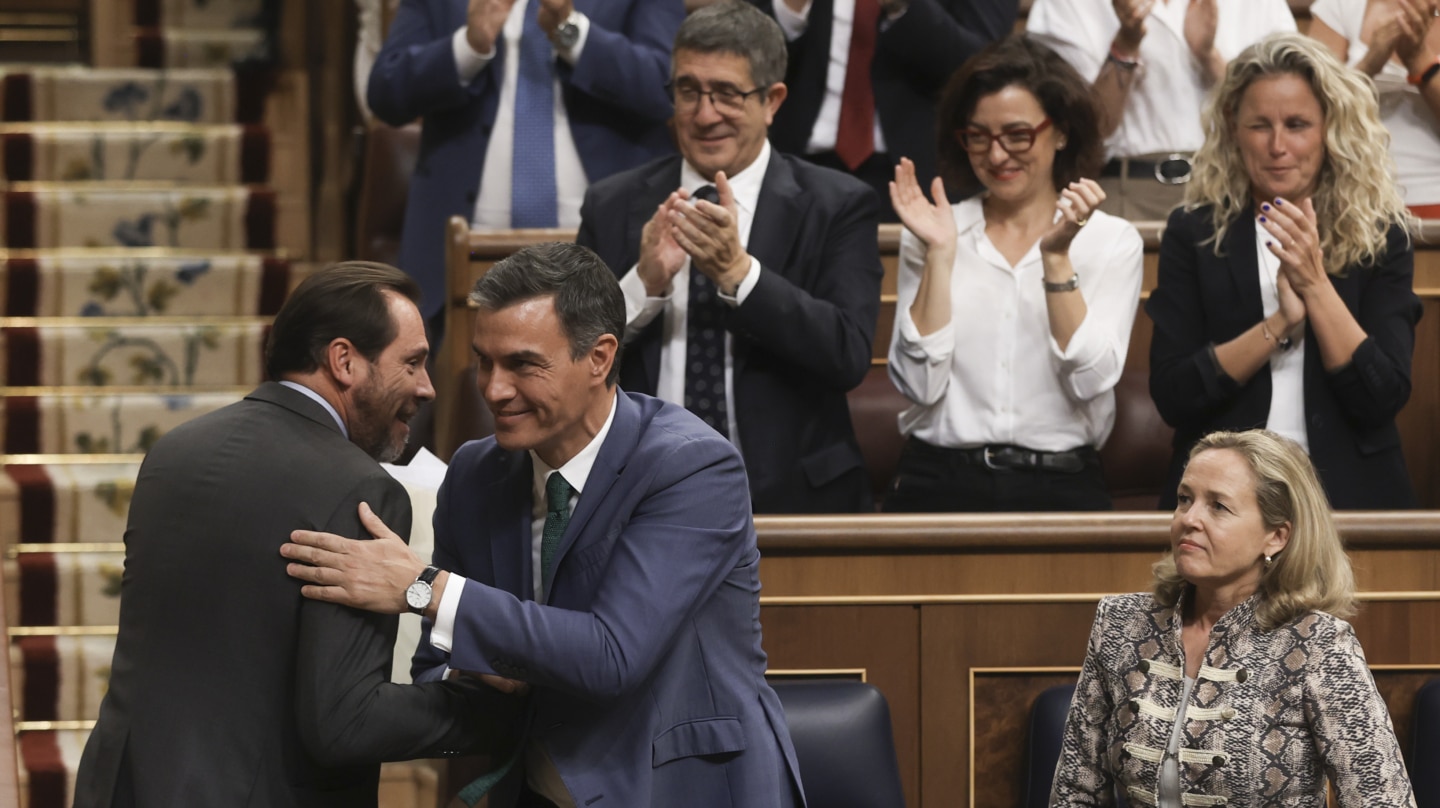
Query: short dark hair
x: 731, y: 26
x: 1066, y: 98
x: 587, y: 295
x: 346, y: 300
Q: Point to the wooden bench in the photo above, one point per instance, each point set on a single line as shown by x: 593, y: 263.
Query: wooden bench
x: 470, y: 254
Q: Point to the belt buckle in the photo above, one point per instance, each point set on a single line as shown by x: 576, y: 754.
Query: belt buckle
x: 988, y: 463
x: 1165, y: 177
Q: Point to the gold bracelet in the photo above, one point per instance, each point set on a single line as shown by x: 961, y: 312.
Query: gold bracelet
x: 1284, y: 343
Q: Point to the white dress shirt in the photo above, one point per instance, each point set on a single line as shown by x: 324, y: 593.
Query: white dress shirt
x: 827, y: 123
x: 492, y: 203
x: 1287, y: 368
x: 1414, y: 131
x: 540, y: 772
x: 994, y: 374
x: 1162, y: 113
x: 640, y: 309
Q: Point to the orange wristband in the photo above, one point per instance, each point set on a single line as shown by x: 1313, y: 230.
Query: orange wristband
x: 1423, y: 77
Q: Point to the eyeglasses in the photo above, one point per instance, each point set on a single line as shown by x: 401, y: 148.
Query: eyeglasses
x: 1018, y: 140
x: 726, y: 99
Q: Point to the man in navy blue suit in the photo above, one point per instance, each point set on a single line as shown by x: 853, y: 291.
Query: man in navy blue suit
x: 485, y: 76
x: 609, y: 560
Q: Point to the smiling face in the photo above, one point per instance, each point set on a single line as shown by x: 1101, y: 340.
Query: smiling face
x: 1280, y: 130
x: 541, y: 398
x: 393, y: 386
x: 1015, y: 177
x: 714, y: 139
x: 1217, y: 534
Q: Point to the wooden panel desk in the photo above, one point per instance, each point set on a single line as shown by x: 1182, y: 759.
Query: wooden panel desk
x: 962, y: 620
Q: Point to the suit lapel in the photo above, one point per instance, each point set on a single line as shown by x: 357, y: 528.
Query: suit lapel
x: 614, y: 453
x: 778, y: 211
x: 508, y: 524
x: 1244, y: 263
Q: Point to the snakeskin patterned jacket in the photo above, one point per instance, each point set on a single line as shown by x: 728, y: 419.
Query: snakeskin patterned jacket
x: 1270, y: 715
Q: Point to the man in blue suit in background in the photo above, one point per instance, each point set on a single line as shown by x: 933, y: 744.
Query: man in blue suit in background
x: 485, y: 76
x: 609, y: 560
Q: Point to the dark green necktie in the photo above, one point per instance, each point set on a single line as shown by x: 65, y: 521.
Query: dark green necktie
x: 557, y: 518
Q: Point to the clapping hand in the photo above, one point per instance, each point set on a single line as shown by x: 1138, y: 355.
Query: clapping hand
x: 934, y: 223
x: 483, y: 21
x: 1077, y: 201
x: 660, y: 257
x: 710, y: 235
x: 1295, y: 240
x: 1132, y: 14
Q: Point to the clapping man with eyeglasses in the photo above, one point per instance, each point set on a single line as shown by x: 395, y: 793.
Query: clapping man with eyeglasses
x: 751, y: 278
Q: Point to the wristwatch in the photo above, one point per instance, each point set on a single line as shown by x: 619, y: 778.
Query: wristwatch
x: 418, y: 594
x: 567, y: 33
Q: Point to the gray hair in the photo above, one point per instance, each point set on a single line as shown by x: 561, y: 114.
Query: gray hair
x: 587, y: 295
x: 735, y: 27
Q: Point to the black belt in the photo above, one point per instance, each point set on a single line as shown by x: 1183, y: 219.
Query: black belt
x: 1173, y: 170
x: 1018, y: 458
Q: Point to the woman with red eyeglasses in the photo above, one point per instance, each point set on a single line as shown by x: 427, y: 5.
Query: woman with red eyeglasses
x: 1014, y: 307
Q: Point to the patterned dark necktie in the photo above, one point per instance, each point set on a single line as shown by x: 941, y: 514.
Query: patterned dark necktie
x: 705, y: 344
x: 532, y: 164
x: 557, y: 518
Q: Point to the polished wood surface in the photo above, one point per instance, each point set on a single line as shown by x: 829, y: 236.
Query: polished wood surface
x: 995, y: 608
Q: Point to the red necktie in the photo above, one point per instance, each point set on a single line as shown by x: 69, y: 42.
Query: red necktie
x: 855, y: 140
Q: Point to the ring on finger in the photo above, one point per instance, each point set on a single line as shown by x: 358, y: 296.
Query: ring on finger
x: 1082, y: 221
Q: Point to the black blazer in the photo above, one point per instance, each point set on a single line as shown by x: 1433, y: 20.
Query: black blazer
x: 227, y: 687
x: 914, y: 57
x: 801, y: 340
x: 1201, y: 300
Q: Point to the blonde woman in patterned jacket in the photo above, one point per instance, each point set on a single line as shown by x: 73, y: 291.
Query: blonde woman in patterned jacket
x: 1236, y: 681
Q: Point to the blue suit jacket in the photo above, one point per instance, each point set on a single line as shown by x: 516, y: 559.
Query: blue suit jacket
x: 645, y: 662
x: 614, y: 96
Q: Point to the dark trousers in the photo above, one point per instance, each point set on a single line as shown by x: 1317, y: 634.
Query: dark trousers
x: 933, y: 479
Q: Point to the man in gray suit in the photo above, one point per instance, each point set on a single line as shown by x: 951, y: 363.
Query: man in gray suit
x: 227, y: 687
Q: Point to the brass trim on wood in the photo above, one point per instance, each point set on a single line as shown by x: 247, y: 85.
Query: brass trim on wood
x: 69, y: 459
x: 53, y: 726
x: 816, y: 673
x: 63, y: 631
x: 1013, y: 598
x: 16, y: 550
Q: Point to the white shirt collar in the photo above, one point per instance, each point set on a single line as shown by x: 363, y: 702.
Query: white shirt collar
x: 312, y: 394
x: 576, y: 470
x: 745, y: 185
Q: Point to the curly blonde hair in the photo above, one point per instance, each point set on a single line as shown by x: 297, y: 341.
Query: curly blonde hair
x: 1356, y: 198
x: 1312, y: 573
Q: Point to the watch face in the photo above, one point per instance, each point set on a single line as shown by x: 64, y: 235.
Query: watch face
x: 418, y: 595
x: 567, y: 34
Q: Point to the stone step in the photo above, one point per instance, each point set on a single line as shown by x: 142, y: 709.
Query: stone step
x: 129, y: 94
x: 224, y: 218
x: 99, y: 423
x: 166, y: 352
x: 195, y: 154
x: 141, y: 283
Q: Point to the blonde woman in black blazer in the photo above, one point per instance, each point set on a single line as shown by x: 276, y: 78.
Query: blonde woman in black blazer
x: 1284, y: 294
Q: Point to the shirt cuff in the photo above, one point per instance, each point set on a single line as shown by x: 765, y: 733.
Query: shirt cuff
x: 935, y: 348
x: 640, y: 308
x: 747, y: 284
x: 792, y: 23
x: 468, y: 61
x: 442, y: 632
x: 571, y: 55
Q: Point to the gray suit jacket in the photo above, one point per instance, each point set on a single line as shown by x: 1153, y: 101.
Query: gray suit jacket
x: 227, y: 687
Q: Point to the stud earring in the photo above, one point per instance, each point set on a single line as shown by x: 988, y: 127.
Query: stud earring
x: 1268, y: 562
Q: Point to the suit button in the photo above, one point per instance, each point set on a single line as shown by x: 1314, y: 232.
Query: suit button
x: 1135, y: 706
x: 1144, y: 666
x: 1219, y: 761
x: 1241, y: 675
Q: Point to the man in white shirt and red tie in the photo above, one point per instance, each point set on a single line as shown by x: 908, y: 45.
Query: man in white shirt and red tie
x: 864, y: 77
